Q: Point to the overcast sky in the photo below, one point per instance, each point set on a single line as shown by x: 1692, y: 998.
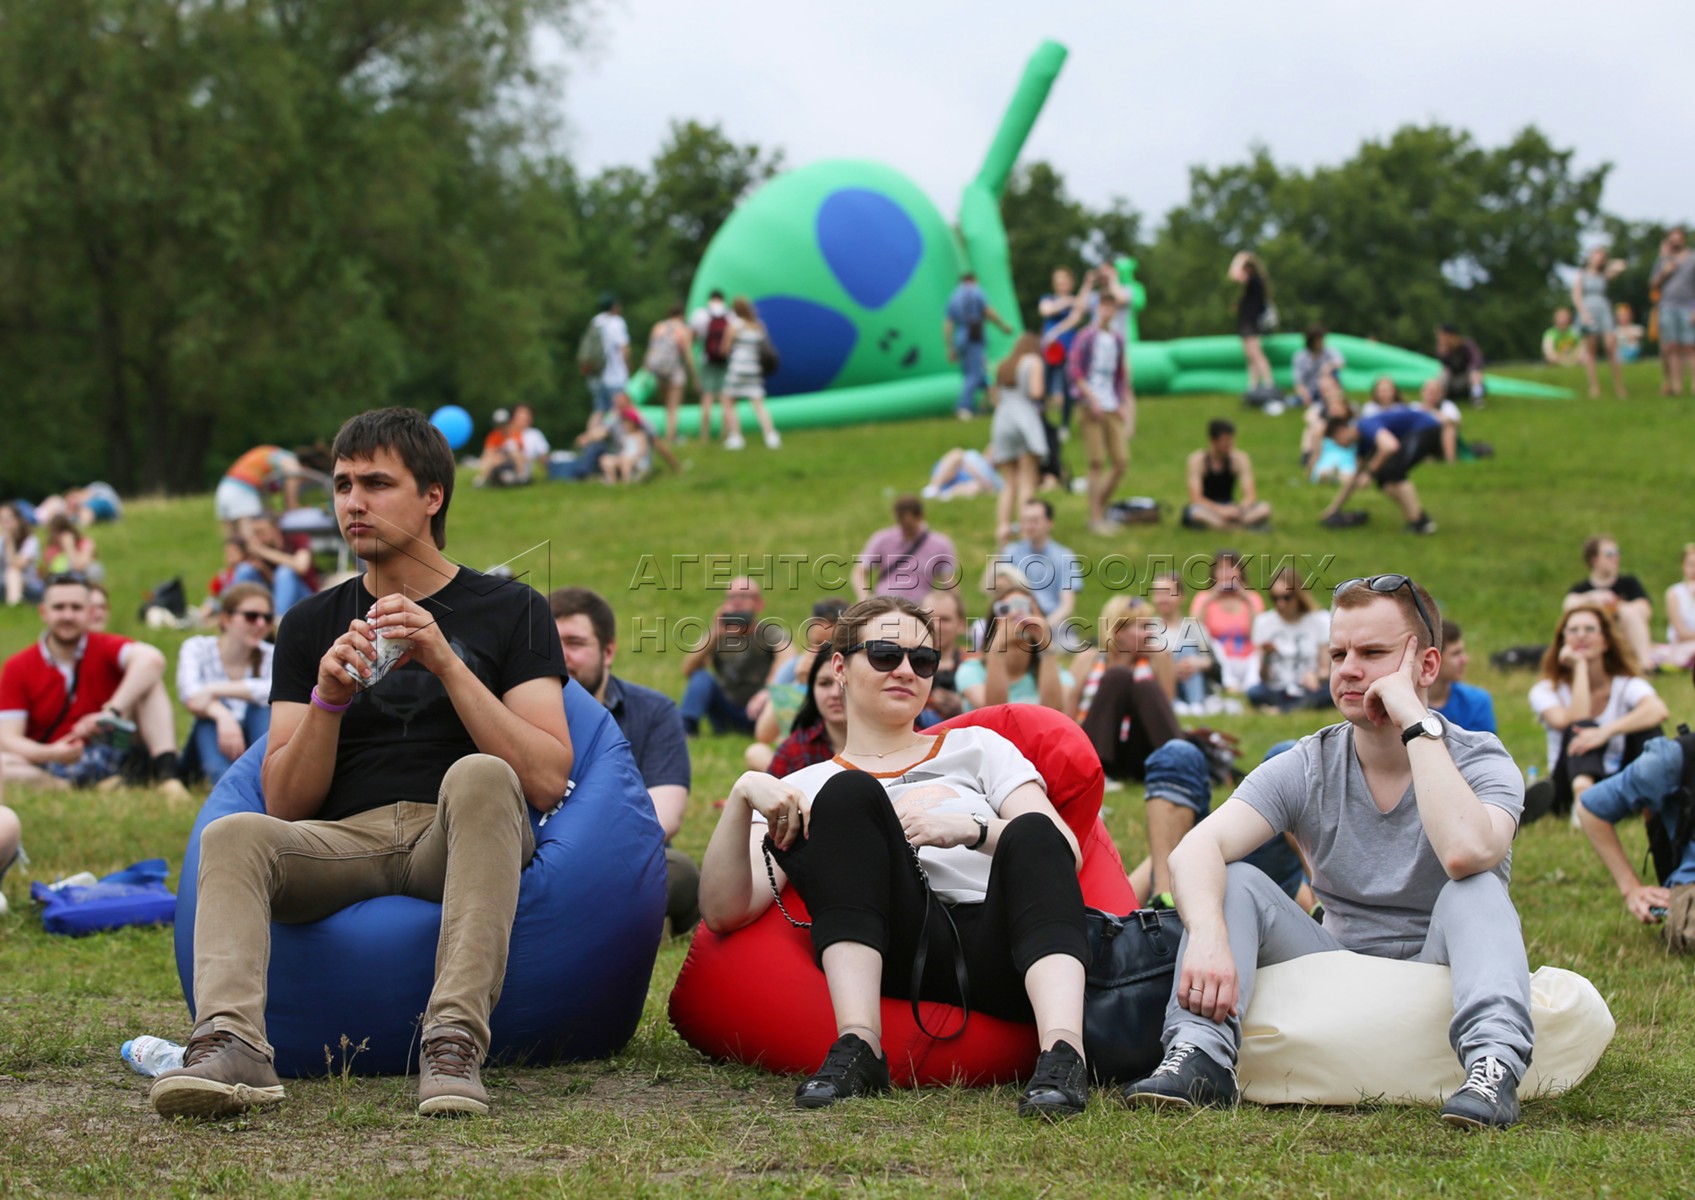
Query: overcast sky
x: 1149, y: 90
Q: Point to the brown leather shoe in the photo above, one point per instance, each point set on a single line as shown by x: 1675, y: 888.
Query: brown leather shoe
x: 220, y: 1075
x: 448, y: 1080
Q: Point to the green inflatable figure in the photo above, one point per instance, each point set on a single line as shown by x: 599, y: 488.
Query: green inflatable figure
x: 850, y: 266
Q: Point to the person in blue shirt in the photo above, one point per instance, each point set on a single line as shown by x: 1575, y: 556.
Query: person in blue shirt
x: 1390, y: 444
x: 1644, y: 785
x: 1053, y: 571
x: 1460, y: 703
x: 650, y: 721
x: 968, y: 309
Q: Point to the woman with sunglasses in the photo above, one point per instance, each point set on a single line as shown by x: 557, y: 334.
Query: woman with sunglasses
x: 1594, y: 703
x: 1020, y: 662
x: 859, y: 835
x: 225, y: 681
x: 1292, y: 638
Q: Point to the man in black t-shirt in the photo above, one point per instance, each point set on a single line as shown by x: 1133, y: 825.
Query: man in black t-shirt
x: 417, y: 777
x: 1621, y: 595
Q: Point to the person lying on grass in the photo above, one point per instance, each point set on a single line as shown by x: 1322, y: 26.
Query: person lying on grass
x: 1407, y: 824
x: 409, y: 779
x: 856, y: 837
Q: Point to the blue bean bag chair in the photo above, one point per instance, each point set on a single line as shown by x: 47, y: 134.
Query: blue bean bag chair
x: 590, y: 910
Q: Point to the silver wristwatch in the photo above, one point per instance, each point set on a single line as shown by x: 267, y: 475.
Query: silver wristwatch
x: 1430, y: 726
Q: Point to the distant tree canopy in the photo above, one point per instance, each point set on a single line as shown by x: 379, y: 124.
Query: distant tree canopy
x: 1423, y: 228
x: 226, y: 224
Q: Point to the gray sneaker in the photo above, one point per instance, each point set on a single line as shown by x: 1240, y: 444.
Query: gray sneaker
x: 220, y: 1075
x: 448, y: 1078
x: 1488, y: 1099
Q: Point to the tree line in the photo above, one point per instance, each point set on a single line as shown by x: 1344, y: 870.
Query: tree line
x: 230, y: 223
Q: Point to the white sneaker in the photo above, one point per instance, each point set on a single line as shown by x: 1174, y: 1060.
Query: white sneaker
x: 773, y: 441
x: 735, y: 442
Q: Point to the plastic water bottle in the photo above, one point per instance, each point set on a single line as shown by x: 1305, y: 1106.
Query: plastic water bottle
x: 1530, y: 773
x: 151, y: 1056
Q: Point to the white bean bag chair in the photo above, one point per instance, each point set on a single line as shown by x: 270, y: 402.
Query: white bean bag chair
x: 1341, y: 1028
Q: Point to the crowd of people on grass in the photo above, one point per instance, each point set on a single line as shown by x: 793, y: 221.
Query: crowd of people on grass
x: 1386, y: 829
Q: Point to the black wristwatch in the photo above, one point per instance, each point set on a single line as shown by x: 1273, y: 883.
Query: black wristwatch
x: 1429, y: 726
x: 982, y: 831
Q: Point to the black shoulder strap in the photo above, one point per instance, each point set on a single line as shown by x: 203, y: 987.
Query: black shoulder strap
x: 70, y: 699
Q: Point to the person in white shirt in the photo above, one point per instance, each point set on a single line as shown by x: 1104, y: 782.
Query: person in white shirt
x: 1291, y: 637
x: 225, y: 681
x: 857, y: 836
x: 615, y: 345
x: 1100, y: 371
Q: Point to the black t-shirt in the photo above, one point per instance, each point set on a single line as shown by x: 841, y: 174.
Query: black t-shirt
x: 1251, y: 305
x: 401, y: 736
x: 1625, y: 587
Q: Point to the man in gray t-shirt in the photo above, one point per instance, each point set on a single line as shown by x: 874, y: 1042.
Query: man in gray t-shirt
x: 1674, y: 278
x: 1406, y: 823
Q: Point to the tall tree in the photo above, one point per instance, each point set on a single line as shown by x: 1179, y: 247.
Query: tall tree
x: 232, y: 222
x: 1423, y: 228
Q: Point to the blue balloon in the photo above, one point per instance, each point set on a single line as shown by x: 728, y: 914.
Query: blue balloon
x: 454, y: 423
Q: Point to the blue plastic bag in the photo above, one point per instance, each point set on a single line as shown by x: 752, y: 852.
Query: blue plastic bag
x: 136, y: 895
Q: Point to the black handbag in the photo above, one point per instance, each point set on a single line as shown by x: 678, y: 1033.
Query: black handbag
x: 1132, y: 962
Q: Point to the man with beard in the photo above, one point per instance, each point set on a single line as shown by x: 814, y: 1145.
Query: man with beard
x: 70, y: 704
x: 588, y: 634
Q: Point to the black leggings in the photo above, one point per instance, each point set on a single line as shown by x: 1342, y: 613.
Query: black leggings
x: 856, y: 872
x: 1569, y: 766
x: 1153, y: 722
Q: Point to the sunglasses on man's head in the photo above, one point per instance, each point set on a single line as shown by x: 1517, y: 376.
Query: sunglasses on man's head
x: 1388, y: 585
x: 886, y: 656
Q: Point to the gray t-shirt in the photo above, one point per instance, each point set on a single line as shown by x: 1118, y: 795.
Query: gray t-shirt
x: 1376, y: 872
x: 1679, y: 290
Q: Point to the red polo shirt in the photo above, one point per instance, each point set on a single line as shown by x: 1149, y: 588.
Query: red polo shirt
x: 32, y: 686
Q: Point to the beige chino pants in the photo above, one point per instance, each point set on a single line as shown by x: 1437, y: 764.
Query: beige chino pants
x: 465, y: 852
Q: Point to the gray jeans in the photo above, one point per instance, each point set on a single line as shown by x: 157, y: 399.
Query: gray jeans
x: 1474, y: 929
x: 464, y: 852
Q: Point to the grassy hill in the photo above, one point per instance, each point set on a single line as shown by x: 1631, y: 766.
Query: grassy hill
x: 659, y: 1119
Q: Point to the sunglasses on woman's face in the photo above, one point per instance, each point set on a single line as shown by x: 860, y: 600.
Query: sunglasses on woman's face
x: 886, y: 656
x: 257, y: 618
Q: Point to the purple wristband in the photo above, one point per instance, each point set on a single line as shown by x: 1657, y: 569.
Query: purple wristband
x: 326, y: 705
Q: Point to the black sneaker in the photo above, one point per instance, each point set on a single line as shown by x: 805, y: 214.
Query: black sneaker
x: 1186, y: 1078
x: 1060, y: 1086
x: 1423, y: 526
x: 851, y: 1068
x: 1488, y: 1099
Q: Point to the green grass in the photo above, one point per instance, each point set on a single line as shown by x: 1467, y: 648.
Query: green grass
x: 659, y: 1119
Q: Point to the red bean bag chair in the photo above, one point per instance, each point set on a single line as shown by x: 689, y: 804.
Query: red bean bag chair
x: 757, y: 997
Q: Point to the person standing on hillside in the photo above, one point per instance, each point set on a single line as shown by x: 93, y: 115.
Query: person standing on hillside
x: 614, y: 374
x: 1674, y: 278
x: 1253, y: 315
x: 710, y: 324
x: 1100, y: 372
x: 670, y: 360
x: 962, y: 329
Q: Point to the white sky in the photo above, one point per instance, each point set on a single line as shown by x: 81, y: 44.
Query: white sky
x: 1149, y: 90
